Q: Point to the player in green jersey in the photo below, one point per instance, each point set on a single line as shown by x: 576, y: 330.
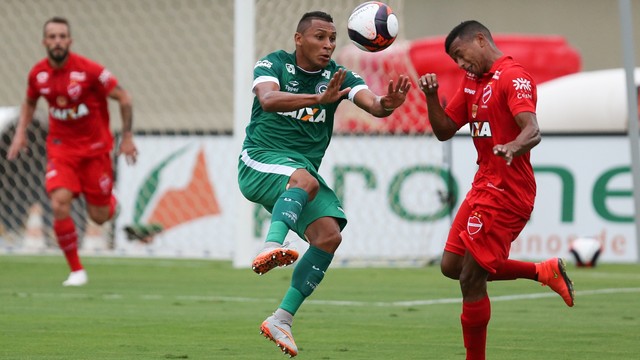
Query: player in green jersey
x: 296, y: 96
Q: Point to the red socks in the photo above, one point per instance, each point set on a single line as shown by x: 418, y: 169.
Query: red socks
x: 475, y: 318
x: 68, y: 240
x: 514, y: 269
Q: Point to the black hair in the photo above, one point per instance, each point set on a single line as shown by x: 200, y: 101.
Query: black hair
x: 305, y: 21
x: 465, y: 30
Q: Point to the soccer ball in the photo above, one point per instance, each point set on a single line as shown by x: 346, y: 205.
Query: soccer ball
x: 372, y: 26
x: 586, y: 251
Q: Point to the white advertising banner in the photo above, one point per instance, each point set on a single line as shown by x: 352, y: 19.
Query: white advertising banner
x: 178, y: 194
x: 584, y: 190
x: 394, y: 192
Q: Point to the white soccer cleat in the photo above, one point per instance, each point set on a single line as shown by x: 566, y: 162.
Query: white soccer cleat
x: 76, y: 278
x: 279, y: 332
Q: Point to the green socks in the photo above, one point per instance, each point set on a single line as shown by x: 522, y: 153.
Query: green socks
x: 307, y: 275
x: 285, y: 213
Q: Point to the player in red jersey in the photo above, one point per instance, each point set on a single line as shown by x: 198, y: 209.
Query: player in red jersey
x: 497, y: 98
x: 79, y: 141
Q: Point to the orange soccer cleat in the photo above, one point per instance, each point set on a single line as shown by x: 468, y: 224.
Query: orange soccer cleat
x: 273, y: 255
x: 552, y: 273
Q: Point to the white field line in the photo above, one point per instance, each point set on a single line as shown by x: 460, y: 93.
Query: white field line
x: 426, y: 302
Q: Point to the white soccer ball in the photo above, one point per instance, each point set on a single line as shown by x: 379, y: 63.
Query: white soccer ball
x: 372, y: 26
x: 586, y: 251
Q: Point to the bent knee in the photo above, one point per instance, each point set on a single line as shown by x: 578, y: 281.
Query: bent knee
x: 328, y: 243
x: 452, y: 272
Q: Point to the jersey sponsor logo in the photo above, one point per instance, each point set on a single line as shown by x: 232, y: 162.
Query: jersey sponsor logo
x: 321, y: 87
x: 523, y: 88
x: 522, y: 84
x: 469, y: 91
x: 474, y: 223
x: 104, y: 77
x: 77, y: 76
x: 42, y: 77
x: 524, y: 95
x: 480, y: 129
x: 486, y: 93
x: 313, y: 115
x: 69, y: 114
x: 290, y: 68
x: 326, y: 74
x: 292, y: 86
x: 263, y: 63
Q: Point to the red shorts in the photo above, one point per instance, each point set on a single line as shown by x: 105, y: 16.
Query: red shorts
x: 486, y: 232
x: 90, y: 176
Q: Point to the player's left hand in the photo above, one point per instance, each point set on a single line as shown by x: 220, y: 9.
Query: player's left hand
x: 504, y: 151
x: 396, y: 94
x: 128, y: 148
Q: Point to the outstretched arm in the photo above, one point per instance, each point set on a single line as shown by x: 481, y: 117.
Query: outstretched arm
x: 381, y: 106
x: 127, y: 146
x: 273, y: 100
x: 443, y: 126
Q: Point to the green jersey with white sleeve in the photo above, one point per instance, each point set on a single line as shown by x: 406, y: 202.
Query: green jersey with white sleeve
x: 306, y: 131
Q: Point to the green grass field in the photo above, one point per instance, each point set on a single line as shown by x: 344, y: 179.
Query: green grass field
x: 192, y: 309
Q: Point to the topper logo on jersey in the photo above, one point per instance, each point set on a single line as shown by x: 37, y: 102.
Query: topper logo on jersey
x: 307, y: 114
x: 69, y: 114
x: 292, y: 86
x: 480, y: 129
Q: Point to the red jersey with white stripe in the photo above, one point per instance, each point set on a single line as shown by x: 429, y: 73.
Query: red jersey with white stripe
x: 78, y: 110
x: 489, y: 105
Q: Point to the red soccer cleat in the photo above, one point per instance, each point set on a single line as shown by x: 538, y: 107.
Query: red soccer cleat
x: 552, y: 273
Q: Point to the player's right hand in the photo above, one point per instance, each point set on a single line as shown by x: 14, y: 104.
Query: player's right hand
x: 333, y: 92
x: 18, y: 144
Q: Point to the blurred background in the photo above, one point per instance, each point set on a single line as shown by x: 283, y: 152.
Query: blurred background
x: 176, y: 57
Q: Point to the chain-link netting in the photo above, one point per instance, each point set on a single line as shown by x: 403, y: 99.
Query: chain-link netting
x: 176, y: 60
